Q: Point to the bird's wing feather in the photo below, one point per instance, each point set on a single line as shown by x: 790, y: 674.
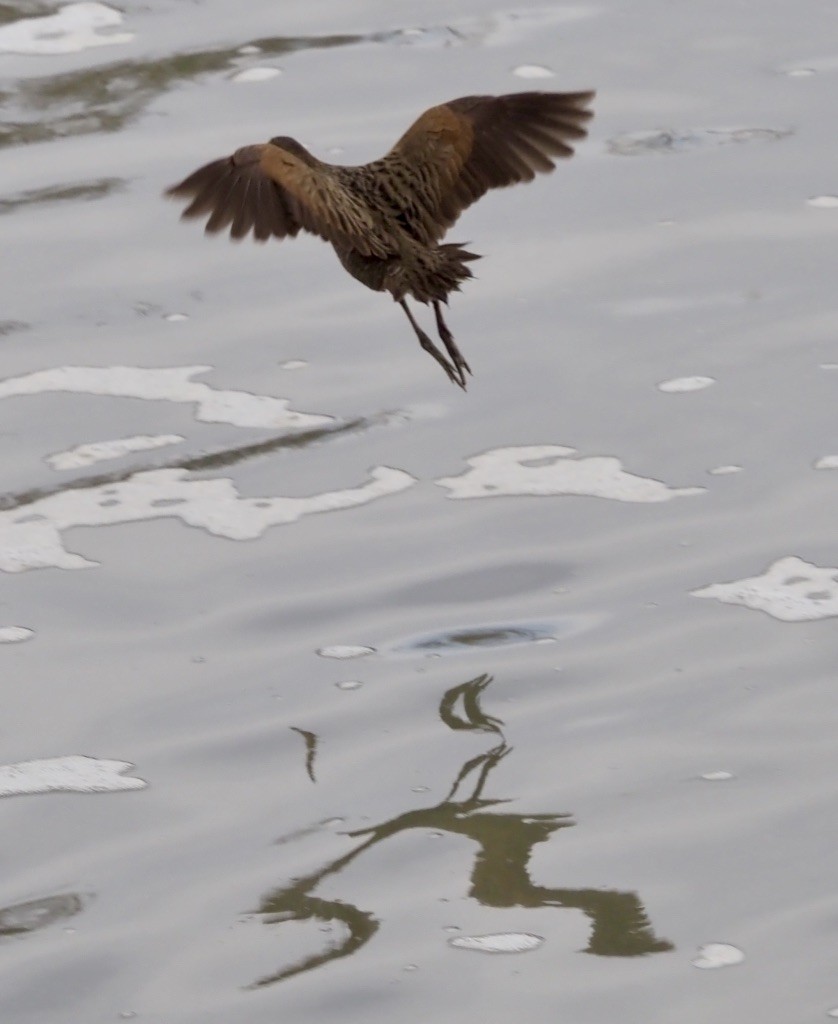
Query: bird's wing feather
x: 272, y: 192
x: 454, y: 153
x: 235, y: 192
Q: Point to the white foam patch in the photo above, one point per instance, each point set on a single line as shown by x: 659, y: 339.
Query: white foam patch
x: 718, y: 776
x: 827, y: 462
x: 73, y: 28
x: 725, y: 470
x: 345, y: 651
x: 256, y: 75
x: 505, y: 471
x: 15, y: 634
x: 100, y: 451
x: 73, y: 774
x: 169, y: 384
x: 718, y: 954
x: 681, y: 384
x: 533, y: 71
x: 790, y: 590
x: 30, y: 537
x: 499, y: 942
x: 823, y: 202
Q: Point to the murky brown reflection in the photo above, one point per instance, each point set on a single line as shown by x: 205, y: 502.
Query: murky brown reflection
x: 310, y: 740
x: 499, y: 875
x: 22, y: 9
x: 83, y: 190
x: 109, y: 97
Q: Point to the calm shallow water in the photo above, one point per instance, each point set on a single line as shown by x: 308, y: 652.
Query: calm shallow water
x: 367, y: 677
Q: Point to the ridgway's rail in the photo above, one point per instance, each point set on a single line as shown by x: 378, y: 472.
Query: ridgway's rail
x: 386, y: 219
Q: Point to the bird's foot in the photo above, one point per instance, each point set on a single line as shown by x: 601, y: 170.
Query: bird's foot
x: 457, y: 357
x: 455, y: 369
x: 454, y: 372
x: 447, y: 339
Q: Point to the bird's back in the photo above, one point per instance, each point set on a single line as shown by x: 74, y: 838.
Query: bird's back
x: 386, y: 219
x: 446, y: 160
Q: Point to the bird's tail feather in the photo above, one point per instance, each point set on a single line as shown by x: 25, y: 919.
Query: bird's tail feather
x: 442, y: 271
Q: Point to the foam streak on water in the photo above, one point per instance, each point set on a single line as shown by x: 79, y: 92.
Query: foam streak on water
x: 170, y: 384
x: 72, y: 28
x: 549, y: 470
x: 31, y: 536
x: 72, y: 774
x: 790, y: 590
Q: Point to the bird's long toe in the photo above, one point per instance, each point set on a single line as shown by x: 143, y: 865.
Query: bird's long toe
x: 453, y: 371
x: 451, y: 347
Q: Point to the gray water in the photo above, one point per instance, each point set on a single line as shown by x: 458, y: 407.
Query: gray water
x: 317, y: 670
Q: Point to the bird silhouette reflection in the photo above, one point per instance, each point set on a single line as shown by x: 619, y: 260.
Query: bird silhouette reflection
x: 500, y: 872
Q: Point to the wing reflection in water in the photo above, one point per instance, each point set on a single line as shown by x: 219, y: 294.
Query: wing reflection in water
x: 499, y: 875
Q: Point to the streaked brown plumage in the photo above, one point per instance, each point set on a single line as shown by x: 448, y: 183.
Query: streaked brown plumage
x: 386, y: 219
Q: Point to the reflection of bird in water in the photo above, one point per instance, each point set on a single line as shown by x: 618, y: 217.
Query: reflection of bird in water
x: 386, y: 219
x: 500, y: 876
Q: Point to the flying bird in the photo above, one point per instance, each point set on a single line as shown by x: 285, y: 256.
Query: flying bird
x: 386, y: 219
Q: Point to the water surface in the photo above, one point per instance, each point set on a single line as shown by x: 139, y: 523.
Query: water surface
x: 333, y: 693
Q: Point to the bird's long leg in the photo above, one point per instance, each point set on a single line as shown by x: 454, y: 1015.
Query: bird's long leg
x: 455, y: 374
x: 450, y: 345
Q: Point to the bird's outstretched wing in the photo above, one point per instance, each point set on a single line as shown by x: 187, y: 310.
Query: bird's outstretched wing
x: 275, y: 191
x: 454, y: 153
x: 235, y: 192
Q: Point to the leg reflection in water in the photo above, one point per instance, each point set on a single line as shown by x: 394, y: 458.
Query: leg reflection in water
x: 499, y: 876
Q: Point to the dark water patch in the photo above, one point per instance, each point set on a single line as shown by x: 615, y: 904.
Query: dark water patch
x: 23, y: 9
x: 497, y: 635
x: 10, y: 326
x: 59, y: 193
x: 34, y: 914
